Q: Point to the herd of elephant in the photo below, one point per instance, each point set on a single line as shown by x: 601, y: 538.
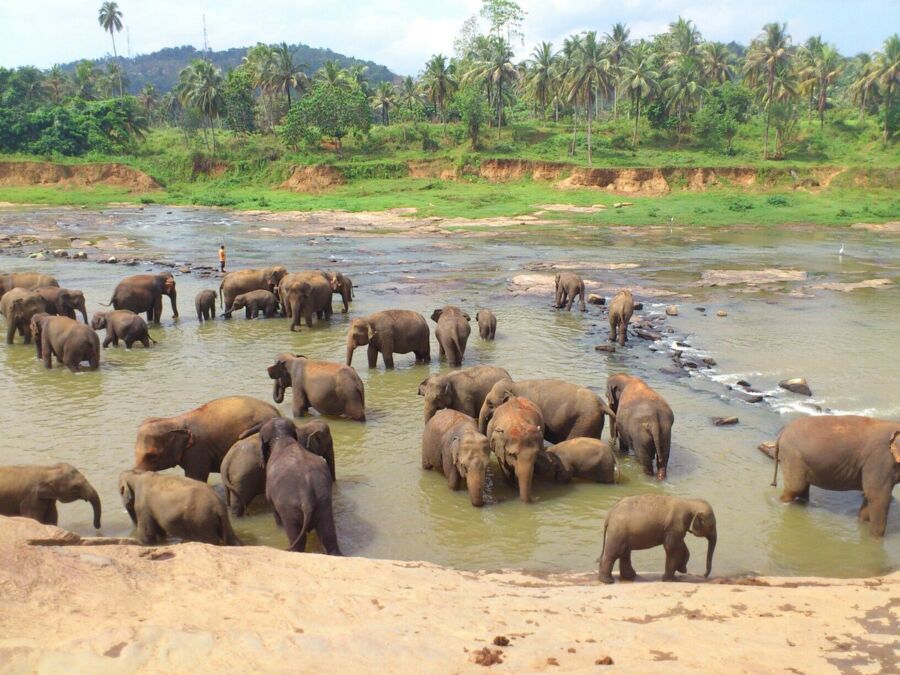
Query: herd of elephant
x: 470, y: 414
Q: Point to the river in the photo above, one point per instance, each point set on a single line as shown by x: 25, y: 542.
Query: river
x: 846, y: 344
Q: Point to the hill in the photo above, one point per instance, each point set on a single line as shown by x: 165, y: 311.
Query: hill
x: 161, y: 68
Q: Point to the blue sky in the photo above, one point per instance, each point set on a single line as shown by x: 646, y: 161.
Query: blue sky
x: 403, y: 33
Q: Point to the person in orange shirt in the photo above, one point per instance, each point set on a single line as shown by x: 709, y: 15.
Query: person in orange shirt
x: 222, y: 258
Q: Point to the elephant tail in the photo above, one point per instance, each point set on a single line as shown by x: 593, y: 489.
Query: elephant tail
x: 603, y: 548
x: 307, y: 513
x: 657, y: 444
x: 150, y: 337
x: 221, y: 297
x: 111, y: 301
x: 232, y: 493
x: 774, y: 482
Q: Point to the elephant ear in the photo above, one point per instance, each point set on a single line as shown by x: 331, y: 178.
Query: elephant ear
x: 188, y: 442
x: 314, y: 442
x: 422, y: 385
x: 276, y: 370
x: 467, y: 317
x: 372, y: 332
x: 436, y: 314
x: 895, y: 446
x: 454, y: 450
x: 506, y: 396
x: 476, y: 316
x: 696, y: 527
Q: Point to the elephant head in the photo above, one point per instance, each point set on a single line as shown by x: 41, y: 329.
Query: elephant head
x: 516, y: 437
x: 161, y: 444
x: 471, y: 455
x: 498, y: 395
x: 549, y: 465
x: 65, y: 483
x: 37, y: 327
x: 127, y: 491
x: 703, y: 524
x: 273, y: 276
x: 98, y: 321
x: 280, y: 372
x: 438, y: 394
x: 69, y: 301
x: 168, y: 288
x: 361, y: 333
x: 615, y: 384
x: 272, y: 431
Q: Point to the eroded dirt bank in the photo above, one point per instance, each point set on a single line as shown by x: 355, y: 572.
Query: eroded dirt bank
x: 109, y: 608
x: 18, y: 174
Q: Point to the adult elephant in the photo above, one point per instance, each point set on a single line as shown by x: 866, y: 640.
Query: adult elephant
x: 343, y: 286
x: 569, y: 410
x: 19, y: 306
x: 198, y: 440
x: 330, y: 388
x: 143, y: 293
x: 63, y: 301
x: 71, y: 342
x: 452, y: 333
x: 516, y: 437
x: 393, y: 331
x: 643, y: 422
x: 243, y: 281
x: 26, y: 280
x: 452, y: 444
x: 463, y: 390
x: 569, y: 285
x: 842, y: 452
x: 32, y: 491
x: 304, y: 294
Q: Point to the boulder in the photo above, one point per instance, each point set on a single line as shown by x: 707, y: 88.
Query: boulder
x: 749, y: 398
x: 797, y: 385
x: 605, y: 348
x: 721, y: 312
x: 672, y: 310
x: 594, y: 299
x: 60, y: 253
x: 725, y: 421
x: 112, y: 260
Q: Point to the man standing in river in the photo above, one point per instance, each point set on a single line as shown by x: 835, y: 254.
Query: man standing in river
x: 222, y: 258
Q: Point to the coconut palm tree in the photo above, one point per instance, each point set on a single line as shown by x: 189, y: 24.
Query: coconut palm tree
x: 865, y: 82
x: 767, y: 58
x: 827, y: 68
x: 684, y: 41
x: 589, y: 77
x: 640, y: 78
x: 148, y: 99
x: 358, y: 75
x: 408, y: 93
x: 110, y: 19
x: 56, y: 84
x: 333, y: 75
x: 540, y: 75
x: 495, y: 69
x: 439, y: 82
x: 85, y: 80
x: 617, y: 48
x: 715, y: 63
x: 571, y: 47
x: 682, y: 90
x: 201, y: 86
x: 889, y: 78
x: 384, y: 98
x: 284, y: 75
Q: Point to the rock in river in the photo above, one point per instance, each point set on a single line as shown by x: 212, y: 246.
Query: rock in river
x: 725, y: 421
x: 672, y: 310
x: 605, y: 348
x: 798, y: 385
x: 595, y: 299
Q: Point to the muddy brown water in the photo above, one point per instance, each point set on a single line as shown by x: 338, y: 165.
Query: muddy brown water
x: 846, y: 344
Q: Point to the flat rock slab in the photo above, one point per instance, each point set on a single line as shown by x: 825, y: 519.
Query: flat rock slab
x: 725, y: 421
x: 753, y: 277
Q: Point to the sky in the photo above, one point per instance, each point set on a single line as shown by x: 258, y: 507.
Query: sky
x: 402, y: 34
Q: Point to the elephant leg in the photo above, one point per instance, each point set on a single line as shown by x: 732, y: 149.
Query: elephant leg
x: 863, y: 514
x: 157, y: 310
x: 26, y: 333
x: 299, y: 403
x: 626, y: 569
x: 10, y: 332
x: 570, y: 301
x: 146, y: 341
x: 372, y: 353
x: 107, y: 340
x: 686, y: 555
x: 876, y: 504
x: 622, y: 330
x: 442, y: 354
x: 676, y: 552
x: 308, y: 318
x: 148, y: 530
x: 323, y: 523
x: 196, y: 467
x: 795, y: 485
x: 387, y: 353
x: 51, y: 516
x: 278, y: 521
x: 48, y: 354
x: 581, y: 302
x: 292, y: 528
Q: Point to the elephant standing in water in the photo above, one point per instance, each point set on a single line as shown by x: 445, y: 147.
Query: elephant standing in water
x: 487, y: 324
x: 569, y: 285
x: 452, y: 444
x: 343, y: 286
x: 330, y: 388
x: 254, y: 303
x: 643, y: 422
x: 620, y: 310
x: 463, y: 390
x: 644, y: 521
x: 515, y: 434
x: 143, y: 293
x: 842, y: 452
x: 28, y: 281
x: 244, y: 281
x: 19, y: 306
x: 122, y: 324
x: 585, y: 458
x: 63, y: 301
x: 164, y: 506
x: 393, y: 331
x: 71, y: 342
x: 205, y: 304
x: 452, y: 333
x: 304, y: 294
x: 32, y: 491
x: 198, y: 440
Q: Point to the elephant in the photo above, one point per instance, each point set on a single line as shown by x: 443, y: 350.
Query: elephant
x: 463, y: 390
x: 32, y: 491
x: 569, y: 285
x: 515, y: 434
x: 621, y: 308
x: 205, y: 303
x: 586, y: 458
x: 452, y: 333
x: 19, y: 306
x: 343, y: 286
x: 164, y: 506
x: 143, y: 293
x: 298, y: 485
x: 487, y: 324
x: 393, y: 331
x: 643, y: 521
x: 330, y: 388
x: 452, y: 444
x: 243, y: 473
x: 304, y: 294
x: 63, y: 301
x: 28, y: 281
x: 198, y: 439
x: 71, y: 342
x: 643, y: 422
x: 842, y: 452
x: 122, y: 324
x: 569, y: 411
x: 254, y: 302
x: 244, y: 281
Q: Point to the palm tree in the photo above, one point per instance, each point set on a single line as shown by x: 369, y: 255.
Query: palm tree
x: 439, y: 82
x: 149, y: 101
x: 333, y: 75
x: 684, y: 41
x: 384, y: 97
x: 715, y: 63
x: 540, y: 75
x: 640, y: 79
x: 114, y: 74
x: 408, y: 94
x: 85, y: 80
x: 865, y: 82
x: 888, y: 78
x: 827, y: 68
x: 617, y: 48
x: 110, y: 19
x: 495, y: 70
x: 589, y: 77
x: 56, y: 84
x: 681, y: 90
x: 768, y: 56
x: 358, y: 75
x: 284, y: 75
x: 571, y: 47
x: 200, y: 86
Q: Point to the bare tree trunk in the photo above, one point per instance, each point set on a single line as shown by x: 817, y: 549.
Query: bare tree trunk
x: 637, y: 117
x: 590, y: 156
x: 499, y: 107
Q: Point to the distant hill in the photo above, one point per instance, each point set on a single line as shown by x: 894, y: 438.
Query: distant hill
x: 161, y: 68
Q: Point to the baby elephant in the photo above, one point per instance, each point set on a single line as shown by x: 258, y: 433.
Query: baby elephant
x: 243, y: 473
x: 32, y: 491
x: 587, y: 458
x: 568, y: 286
x: 254, y: 303
x: 298, y: 485
x: 644, y: 521
x: 620, y: 310
x: 205, y: 302
x: 122, y: 324
x: 487, y: 324
x: 71, y: 342
x: 164, y: 506
x: 452, y: 444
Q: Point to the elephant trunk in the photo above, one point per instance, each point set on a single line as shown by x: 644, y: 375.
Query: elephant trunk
x: 83, y: 311
x: 90, y: 495
x: 351, y: 345
x: 278, y: 391
x: 475, y: 485
x: 525, y: 474
x: 484, y: 417
x: 710, y: 549
x: 172, y: 297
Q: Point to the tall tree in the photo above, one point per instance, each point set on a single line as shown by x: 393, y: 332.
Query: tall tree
x: 540, y: 76
x: 57, y: 84
x: 589, y: 78
x: 640, y: 78
x: 617, y: 48
x: 439, y: 81
x: 408, y: 93
x: 495, y: 70
x: 767, y: 59
x: 149, y: 101
x: 285, y: 75
x: 384, y: 98
x: 110, y: 19
x: 889, y: 80
x: 865, y: 82
x: 200, y: 85
x: 715, y: 63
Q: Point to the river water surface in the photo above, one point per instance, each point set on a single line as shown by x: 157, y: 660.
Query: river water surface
x: 846, y: 343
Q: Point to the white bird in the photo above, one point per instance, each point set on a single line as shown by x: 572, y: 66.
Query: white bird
x: 841, y: 252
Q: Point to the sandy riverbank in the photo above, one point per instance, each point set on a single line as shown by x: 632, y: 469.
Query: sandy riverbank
x: 120, y: 608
